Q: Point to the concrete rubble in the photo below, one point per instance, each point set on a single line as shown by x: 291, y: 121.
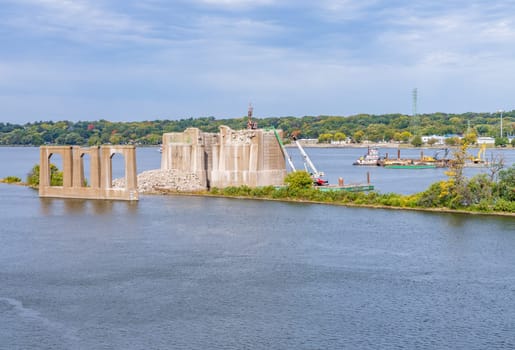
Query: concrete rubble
x: 152, y: 181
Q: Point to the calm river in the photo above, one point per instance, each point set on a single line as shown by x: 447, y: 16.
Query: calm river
x: 204, y: 273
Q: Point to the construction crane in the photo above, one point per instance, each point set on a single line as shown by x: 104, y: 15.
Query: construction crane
x: 315, y: 174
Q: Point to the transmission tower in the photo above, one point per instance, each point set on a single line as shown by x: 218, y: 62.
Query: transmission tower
x: 414, y: 106
x: 414, y: 117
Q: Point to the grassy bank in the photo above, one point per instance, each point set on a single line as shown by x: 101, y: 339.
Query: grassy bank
x: 338, y: 203
x: 458, y: 194
x: 479, y: 194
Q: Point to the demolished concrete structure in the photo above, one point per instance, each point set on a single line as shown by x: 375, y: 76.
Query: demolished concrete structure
x: 251, y: 157
x: 100, y: 173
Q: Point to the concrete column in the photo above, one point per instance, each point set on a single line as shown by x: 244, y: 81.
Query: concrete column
x: 94, y: 167
x: 131, y: 180
x: 78, y: 167
x: 67, y: 166
x: 106, y: 168
x: 44, y: 168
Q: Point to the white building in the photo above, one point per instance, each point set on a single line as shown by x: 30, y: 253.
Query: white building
x: 440, y: 140
x: 485, y: 140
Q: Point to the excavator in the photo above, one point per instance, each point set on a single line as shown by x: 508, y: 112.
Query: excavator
x: 479, y: 159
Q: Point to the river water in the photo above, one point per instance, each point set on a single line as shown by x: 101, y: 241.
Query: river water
x: 173, y: 272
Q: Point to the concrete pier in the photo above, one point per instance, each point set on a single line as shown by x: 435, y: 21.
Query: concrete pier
x: 100, y: 173
x: 251, y: 157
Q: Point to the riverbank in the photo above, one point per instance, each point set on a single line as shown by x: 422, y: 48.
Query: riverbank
x: 382, y: 145
x: 343, y: 204
x: 170, y: 192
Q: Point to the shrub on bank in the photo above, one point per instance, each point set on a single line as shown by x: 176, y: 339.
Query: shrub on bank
x: 56, y: 176
x: 479, y: 193
x: 11, y: 179
x: 504, y: 205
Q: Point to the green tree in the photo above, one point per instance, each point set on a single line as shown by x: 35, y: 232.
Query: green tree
x: 501, y: 141
x: 94, y: 140
x: 340, y: 136
x: 458, y: 192
x: 506, y: 184
x: 431, y: 141
x: 358, y: 136
x: 325, y: 138
x: 417, y: 141
x: 402, y: 136
x: 452, y: 141
x: 470, y: 138
x: 115, y: 139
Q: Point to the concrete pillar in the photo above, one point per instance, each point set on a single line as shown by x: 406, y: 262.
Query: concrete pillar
x: 44, y: 168
x: 78, y: 167
x: 131, y: 180
x: 67, y: 156
x: 94, y: 167
x: 106, y: 168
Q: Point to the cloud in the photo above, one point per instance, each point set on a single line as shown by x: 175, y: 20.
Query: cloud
x: 79, y: 20
x: 236, y: 4
x: 337, y: 10
x: 205, y: 57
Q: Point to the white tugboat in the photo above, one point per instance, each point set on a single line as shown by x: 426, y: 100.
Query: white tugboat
x: 371, y: 158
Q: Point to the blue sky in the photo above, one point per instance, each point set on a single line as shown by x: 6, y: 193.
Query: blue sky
x: 156, y: 59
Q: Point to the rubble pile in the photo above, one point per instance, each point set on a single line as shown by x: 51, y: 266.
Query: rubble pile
x: 152, y: 181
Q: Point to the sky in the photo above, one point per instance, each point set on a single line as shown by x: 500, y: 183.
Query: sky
x: 124, y: 60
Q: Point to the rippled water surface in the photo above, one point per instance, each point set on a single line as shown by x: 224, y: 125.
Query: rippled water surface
x: 202, y: 273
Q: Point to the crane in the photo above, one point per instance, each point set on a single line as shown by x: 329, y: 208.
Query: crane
x: 285, y: 152
x: 315, y: 174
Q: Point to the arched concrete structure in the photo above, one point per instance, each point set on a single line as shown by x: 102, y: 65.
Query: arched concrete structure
x: 100, y: 186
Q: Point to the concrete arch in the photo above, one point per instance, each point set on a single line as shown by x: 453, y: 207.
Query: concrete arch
x: 100, y: 173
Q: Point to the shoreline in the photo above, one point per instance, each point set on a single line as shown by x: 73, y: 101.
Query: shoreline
x: 351, y: 205
x: 384, y: 145
x: 164, y: 192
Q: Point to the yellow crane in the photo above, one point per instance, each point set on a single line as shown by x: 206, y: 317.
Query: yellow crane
x: 480, y: 155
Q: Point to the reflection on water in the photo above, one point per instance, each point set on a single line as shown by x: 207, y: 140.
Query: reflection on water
x: 212, y: 273
x: 71, y: 206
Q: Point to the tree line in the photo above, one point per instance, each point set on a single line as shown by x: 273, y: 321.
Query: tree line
x: 357, y: 128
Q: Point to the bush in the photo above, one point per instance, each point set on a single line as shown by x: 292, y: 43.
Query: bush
x: 56, y: 176
x: 506, y: 185
x: 231, y: 191
x: 298, y: 180
x: 11, y: 179
x: 280, y: 193
x: 479, y: 189
x: 436, y: 195
x: 504, y: 205
x: 262, y: 191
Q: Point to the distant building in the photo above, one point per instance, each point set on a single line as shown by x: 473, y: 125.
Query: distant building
x: 308, y: 141
x: 440, y: 140
x: 341, y: 142
x: 485, y: 140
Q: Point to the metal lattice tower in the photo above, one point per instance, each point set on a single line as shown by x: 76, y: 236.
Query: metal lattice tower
x: 414, y: 105
x: 414, y: 117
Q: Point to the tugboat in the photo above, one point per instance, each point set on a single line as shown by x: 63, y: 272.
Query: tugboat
x: 371, y: 158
